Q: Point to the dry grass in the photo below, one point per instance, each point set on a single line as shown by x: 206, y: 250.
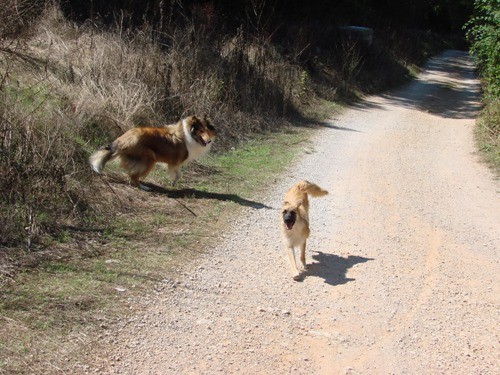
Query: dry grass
x: 68, y: 89
x: 17, y: 16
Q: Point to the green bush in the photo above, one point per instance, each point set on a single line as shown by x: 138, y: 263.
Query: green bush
x: 483, y: 30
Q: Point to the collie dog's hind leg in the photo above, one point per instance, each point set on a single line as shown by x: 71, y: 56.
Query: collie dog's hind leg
x: 137, y: 168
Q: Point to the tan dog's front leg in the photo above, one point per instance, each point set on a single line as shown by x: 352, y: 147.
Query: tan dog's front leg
x: 303, y: 255
x: 293, y: 265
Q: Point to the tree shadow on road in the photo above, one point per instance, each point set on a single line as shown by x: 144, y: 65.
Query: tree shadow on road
x: 447, y: 88
x: 333, y: 268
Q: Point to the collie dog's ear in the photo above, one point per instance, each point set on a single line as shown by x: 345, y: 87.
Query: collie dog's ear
x: 208, y: 122
x: 194, y: 127
x: 194, y: 123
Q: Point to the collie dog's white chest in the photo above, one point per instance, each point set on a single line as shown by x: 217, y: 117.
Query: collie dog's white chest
x: 195, y: 150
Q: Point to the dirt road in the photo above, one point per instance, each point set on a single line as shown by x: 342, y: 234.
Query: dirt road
x: 403, y: 255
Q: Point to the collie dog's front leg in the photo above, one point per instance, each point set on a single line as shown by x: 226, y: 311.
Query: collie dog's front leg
x: 174, y: 174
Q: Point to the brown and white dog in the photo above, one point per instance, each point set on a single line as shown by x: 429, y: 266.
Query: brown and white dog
x: 140, y: 148
x: 294, y: 221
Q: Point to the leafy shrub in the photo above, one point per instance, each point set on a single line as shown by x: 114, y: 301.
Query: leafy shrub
x: 483, y: 31
x: 484, y: 34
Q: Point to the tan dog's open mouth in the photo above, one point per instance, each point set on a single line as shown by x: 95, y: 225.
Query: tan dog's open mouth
x: 289, y: 219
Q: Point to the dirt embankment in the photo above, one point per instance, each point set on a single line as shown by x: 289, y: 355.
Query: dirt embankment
x: 403, y: 257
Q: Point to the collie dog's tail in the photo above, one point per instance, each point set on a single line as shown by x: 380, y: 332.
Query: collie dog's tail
x: 312, y: 189
x: 99, y: 158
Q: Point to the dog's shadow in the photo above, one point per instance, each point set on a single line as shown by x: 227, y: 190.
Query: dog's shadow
x: 333, y: 268
x: 199, y: 194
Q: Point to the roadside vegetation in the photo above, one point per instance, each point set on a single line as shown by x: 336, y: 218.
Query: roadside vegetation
x: 75, y: 248
x: 483, y: 30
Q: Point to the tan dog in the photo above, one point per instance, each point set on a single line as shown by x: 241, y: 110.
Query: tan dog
x: 295, y: 221
x: 140, y: 148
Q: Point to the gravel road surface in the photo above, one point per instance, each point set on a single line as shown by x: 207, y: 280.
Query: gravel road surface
x: 403, y: 256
